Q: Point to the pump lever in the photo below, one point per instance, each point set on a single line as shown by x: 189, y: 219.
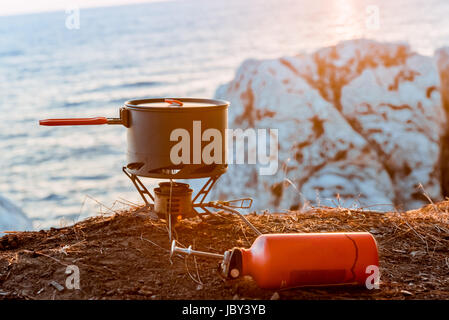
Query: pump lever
x: 189, y: 251
x: 224, y: 266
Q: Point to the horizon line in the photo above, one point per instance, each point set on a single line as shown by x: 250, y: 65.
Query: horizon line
x: 63, y: 8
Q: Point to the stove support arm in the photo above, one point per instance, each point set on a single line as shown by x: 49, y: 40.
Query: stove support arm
x: 143, y: 191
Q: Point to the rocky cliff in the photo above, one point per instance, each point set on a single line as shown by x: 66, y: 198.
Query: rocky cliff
x: 360, y: 124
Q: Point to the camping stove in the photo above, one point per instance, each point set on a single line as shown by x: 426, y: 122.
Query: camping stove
x: 174, y: 200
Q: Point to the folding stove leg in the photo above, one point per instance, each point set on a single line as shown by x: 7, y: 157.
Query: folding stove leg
x: 139, y: 186
x: 201, y: 214
x: 202, y: 194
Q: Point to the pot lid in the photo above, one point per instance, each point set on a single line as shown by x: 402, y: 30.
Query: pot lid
x: 176, y: 103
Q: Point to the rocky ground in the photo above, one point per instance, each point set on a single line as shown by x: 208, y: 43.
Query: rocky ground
x: 126, y: 256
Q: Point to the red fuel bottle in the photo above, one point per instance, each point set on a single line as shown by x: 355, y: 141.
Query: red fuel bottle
x: 277, y: 261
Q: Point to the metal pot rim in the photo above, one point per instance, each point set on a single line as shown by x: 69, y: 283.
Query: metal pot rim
x: 214, y: 104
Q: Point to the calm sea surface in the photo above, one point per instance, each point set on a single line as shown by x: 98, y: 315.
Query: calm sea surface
x: 184, y: 48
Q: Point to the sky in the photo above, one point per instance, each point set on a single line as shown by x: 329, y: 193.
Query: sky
x: 12, y: 7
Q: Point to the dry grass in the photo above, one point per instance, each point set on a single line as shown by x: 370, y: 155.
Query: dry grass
x: 125, y: 255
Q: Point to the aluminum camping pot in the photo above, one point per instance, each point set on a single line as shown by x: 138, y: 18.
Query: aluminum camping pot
x: 180, y: 138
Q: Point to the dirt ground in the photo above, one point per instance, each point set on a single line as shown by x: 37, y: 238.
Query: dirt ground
x: 126, y: 256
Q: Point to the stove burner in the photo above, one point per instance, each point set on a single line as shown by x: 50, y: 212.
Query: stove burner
x: 173, y: 200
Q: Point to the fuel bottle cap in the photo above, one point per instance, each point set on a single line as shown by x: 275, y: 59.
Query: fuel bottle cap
x: 231, y: 267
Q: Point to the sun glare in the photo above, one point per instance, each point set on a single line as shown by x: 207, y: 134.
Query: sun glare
x: 348, y: 19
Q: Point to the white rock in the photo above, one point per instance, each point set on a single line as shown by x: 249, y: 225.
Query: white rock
x: 321, y: 157
x: 359, y: 123
x: 398, y: 110
x: 442, y: 60
x: 12, y: 218
x: 330, y: 68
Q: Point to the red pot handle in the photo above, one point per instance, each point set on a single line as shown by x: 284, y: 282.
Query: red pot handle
x: 74, y: 121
